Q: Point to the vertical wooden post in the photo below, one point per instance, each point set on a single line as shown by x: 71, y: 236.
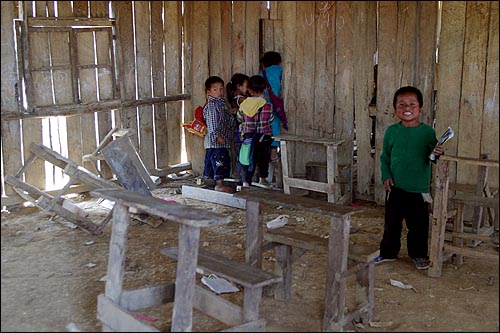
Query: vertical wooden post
x: 253, y: 253
x: 284, y: 166
x: 182, y: 317
x: 338, y: 246
x: 439, y: 218
x: 117, y: 247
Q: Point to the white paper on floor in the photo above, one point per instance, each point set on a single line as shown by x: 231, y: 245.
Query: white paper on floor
x: 278, y: 222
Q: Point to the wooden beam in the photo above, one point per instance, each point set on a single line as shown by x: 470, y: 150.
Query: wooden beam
x: 77, y: 109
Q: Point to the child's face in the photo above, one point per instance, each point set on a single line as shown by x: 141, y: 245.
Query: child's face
x: 407, y: 107
x: 216, y: 90
x: 242, y: 89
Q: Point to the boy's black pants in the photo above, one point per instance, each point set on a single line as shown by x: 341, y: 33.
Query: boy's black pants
x: 415, y: 211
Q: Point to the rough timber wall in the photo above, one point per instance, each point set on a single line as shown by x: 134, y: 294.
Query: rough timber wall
x: 139, y: 63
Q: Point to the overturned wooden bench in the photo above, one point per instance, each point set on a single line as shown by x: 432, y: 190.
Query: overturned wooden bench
x: 289, y: 245
x: 57, y: 204
x: 114, y: 305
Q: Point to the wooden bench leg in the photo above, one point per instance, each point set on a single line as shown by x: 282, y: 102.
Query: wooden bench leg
x: 254, y: 234
x: 458, y: 226
x: 338, y: 246
x: 283, y: 267
x: 117, y: 248
x: 185, y: 279
x: 251, y: 304
x: 365, y: 291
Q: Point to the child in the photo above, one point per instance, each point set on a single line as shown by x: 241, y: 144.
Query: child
x: 237, y: 90
x: 406, y: 173
x: 256, y: 117
x: 271, y: 64
x: 218, y: 139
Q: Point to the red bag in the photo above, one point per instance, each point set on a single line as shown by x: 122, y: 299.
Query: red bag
x: 278, y: 103
x: 198, y: 125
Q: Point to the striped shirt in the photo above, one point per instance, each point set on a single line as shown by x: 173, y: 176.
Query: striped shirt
x: 219, y: 121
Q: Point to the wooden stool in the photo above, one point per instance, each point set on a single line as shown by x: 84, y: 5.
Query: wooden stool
x: 331, y: 187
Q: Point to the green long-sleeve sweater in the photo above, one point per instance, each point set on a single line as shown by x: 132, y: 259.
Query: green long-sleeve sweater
x: 405, y: 156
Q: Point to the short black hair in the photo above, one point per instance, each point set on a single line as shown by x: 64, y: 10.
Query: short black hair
x: 271, y: 58
x: 211, y: 80
x: 257, y: 84
x: 406, y: 90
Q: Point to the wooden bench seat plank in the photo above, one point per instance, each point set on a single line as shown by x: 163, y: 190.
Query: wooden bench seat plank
x: 240, y: 273
x: 168, y: 210
x: 309, y: 139
x: 301, y: 203
x: 475, y: 200
x: 312, y: 242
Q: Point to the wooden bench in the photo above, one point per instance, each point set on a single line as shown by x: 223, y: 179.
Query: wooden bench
x: 337, y: 247
x: 331, y: 186
x: 251, y: 278
x: 482, y: 198
x: 114, y: 306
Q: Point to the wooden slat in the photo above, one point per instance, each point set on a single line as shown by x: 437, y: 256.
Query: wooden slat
x: 99, y: 8
x: 112, y: 315
x: 88, y: 90
x: 158, y: 78
x: 136, y: 299
x: 143, y: 60
x: 126, y: 63
x: 473, y: 79
x: 238, y: 37
x: 252, y: 10
x: 291, y: 201
x: 226, y: 24
x: 168, y: 210
x: 234, y: 271
x: 11, y: 130
x: 305, y: 71
x: 216, y: 36
x: 173, y: 45
x: 106, y: 83
x: 344, y: 84
x: 490, y: 130
x: 427, y: 12
x: 364, y: 47
x: 470, y: 252
x: 199, y: 73
x: 206, y: 195
x: 475, y: 200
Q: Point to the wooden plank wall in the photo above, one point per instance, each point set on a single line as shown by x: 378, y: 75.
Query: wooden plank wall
x: 467, y: 84
x: 327, y: 48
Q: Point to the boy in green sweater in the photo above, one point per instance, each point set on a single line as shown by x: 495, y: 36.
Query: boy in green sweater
x: 406, y: 173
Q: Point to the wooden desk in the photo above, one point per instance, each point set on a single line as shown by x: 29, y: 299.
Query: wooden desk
x: 288, y: 244
x: 114, y: 305
x: 331, y: 187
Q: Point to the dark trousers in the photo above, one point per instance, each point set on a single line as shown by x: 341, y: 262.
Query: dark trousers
x: 415, y: 211
x: 217, y: 163
x: 260, y: 157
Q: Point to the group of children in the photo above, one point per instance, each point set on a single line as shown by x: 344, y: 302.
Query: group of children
x: 248, y: 127
x: 239, y: 137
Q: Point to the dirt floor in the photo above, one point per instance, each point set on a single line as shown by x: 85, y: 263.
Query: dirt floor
x: 47, y: 283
